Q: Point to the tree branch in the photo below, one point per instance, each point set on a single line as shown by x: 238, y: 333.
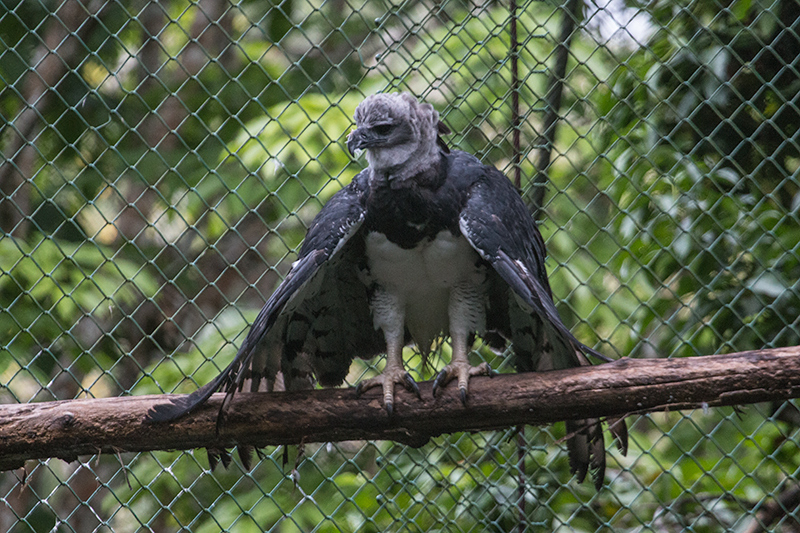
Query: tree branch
x: 70, y: 428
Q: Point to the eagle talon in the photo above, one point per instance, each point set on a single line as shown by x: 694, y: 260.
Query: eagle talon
x: 462, y: 372
x: 442, y: 379
x: 386, y: 381
x: 482, y: 369
x: 411, y: 385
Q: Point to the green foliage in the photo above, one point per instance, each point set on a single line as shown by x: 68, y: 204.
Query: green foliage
x: 179, y: 160
x: 51, y: 292
x: 709, y: 223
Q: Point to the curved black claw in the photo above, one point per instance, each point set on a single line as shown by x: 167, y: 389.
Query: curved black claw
x: 442, y: 379
x: 463, y: 372
x: 411, y: 385
x: 389, y: 408
x: 359, y: 389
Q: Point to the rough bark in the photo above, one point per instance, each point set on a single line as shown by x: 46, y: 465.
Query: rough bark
x: 70, y: 428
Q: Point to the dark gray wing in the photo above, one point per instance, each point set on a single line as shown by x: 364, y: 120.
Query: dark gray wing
x: 499, y: 227
x: 263, y: 351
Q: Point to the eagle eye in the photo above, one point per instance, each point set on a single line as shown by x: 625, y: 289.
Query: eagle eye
x: 382, y: 129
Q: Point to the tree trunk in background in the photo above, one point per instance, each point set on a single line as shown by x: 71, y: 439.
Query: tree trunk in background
x: 209, y: 41
x: 51, y: 61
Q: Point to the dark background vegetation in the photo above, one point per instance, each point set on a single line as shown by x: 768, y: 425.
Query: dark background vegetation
x: 160, y: 163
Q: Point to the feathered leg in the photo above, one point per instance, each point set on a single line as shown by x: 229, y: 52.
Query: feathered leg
x: 389, y: 316
x: 466, y: 313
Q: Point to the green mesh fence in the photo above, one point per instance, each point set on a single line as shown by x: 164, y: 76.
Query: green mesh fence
x: 160, y: 163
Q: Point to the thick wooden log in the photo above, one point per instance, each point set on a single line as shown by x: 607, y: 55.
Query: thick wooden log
x: 67, y: 429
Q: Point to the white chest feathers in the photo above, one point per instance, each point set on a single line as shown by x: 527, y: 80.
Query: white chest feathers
x: 441, y: 263
x: 422, y: 287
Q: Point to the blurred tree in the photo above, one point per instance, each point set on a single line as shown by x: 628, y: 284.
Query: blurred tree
x: 59, y: 47
x: 700, y: 130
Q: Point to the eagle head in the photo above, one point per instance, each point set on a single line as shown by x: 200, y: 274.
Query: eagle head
x: 398, y: 133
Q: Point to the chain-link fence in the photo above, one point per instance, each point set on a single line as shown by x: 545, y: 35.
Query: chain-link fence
x: 161, y: 161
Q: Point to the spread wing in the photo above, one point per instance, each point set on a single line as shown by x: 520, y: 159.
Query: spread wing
x: 497, y: 224
x: 305, y: 305
x: 499, y: 227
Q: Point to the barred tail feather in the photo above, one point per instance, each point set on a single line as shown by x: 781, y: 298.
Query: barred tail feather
x: 586, y: 450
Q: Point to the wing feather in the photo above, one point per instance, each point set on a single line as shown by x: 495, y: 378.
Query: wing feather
x: 332, y: 228
x: 498, y: 226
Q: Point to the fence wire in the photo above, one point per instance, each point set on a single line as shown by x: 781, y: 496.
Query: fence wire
x: 161, y: 162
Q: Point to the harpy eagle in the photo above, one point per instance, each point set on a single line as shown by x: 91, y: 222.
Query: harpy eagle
x: 424, y: 243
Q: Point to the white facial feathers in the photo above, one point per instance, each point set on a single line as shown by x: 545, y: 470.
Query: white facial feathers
x: 398, y: 132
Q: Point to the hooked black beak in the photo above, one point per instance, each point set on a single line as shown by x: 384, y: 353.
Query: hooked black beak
x: 358, y: 140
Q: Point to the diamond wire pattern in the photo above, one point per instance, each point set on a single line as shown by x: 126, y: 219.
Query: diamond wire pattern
x: 180, y: 149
